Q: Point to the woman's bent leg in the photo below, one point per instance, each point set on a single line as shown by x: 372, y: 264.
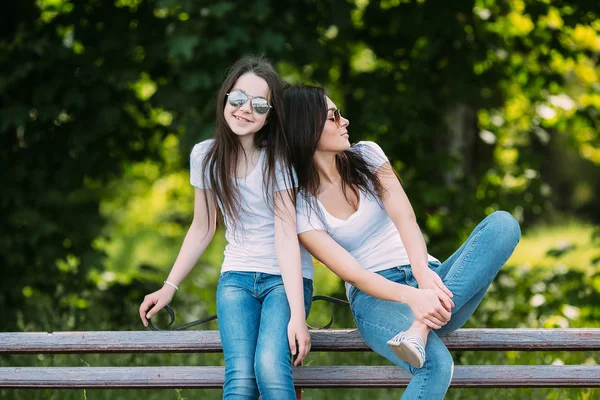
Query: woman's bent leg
x: 378, y: 321
x: 239, y: 318
x: 469, y: 272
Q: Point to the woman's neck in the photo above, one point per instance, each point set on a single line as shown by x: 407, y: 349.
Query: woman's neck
x: 327, y: 169
x: 247, y: 142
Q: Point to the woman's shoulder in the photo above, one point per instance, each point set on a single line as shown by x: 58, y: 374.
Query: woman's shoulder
x: 369, y: 150
x: 365, y: 145
x: 305, y: 200
x: 308, y: 213
x: 200, y: 149
x: 304, y: 196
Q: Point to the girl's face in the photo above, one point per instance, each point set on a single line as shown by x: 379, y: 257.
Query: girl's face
x: 243, y: 119
x: 334, y: 137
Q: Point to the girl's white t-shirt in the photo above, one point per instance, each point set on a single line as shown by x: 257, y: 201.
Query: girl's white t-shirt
x: 250, y: 247
x: 369, y: 234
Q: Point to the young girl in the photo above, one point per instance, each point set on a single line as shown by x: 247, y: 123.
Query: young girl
x: 265, y: 288
x: 354, y: 216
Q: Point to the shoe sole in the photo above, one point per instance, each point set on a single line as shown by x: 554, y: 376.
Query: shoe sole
x: 405, y: 353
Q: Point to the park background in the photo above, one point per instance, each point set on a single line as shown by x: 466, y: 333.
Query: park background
x: 480, y: 105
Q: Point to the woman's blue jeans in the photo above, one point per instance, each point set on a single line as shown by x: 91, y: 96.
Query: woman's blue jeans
x: 467, y: 273
x: 254, y: 313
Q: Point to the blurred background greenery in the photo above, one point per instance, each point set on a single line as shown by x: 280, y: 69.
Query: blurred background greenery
x: 480, y: 105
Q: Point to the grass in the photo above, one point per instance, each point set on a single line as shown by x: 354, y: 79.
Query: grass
x: 571, y: 238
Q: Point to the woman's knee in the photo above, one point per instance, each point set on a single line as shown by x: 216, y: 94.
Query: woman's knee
x: 505, y: 222
x: 505, y: 226
x: 240, y: 380
x: 274, y: 376
x: 273, y: 365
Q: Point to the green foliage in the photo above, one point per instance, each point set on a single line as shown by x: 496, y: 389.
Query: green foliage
x: 67, y: 128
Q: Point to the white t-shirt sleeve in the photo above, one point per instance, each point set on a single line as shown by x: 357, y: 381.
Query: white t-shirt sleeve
x: 307, y: 219
x: 282, y: 179
x: 372, y: 154
x: 196, y: 160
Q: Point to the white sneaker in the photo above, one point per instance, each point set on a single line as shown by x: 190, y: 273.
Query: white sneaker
x: 408, y: 348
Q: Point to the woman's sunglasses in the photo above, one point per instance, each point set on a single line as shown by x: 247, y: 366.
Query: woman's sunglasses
x: 238, y: 98
x: 337, y: 115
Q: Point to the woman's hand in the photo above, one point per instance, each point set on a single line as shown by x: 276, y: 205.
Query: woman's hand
x: 157, y: 301
x: 427, y: 307
x: 298, y: 332
x: 428, y: 279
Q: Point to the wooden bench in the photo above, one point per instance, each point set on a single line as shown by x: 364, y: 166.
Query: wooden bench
x: 348, y: 376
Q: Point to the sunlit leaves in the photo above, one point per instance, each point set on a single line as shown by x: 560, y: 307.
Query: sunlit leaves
x: 132, y: 4
x: 552, y: 20
x: 144, y: 87
x: 583, y: 38
x: 50, y: 9
x: 363, y: 60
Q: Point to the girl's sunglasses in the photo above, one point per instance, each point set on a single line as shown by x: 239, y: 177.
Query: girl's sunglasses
x: 337, y: 115
x: 238, y: 98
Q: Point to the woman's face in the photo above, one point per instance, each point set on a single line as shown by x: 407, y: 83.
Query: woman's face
x: 335, y: 135
x: 243, y: 119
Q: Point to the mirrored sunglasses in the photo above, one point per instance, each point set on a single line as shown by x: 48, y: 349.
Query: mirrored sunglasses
x: 238, y: 98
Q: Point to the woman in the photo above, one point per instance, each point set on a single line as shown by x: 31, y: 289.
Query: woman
x: 244, y: 171
x: 354, y: 216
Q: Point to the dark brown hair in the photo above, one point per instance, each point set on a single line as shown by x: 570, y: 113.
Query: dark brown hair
x: 306, y: 113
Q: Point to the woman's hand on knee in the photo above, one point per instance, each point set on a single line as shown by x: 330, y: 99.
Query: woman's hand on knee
x: 428, y: 279
x: 427, y: 308
x: 299, y: 339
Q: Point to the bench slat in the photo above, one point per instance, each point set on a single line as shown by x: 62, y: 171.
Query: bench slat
x: 499, y: 376
x: 330, y: 340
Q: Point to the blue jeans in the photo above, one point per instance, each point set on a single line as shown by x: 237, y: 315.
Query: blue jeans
x: 467, y: 273
x: 254, y: 313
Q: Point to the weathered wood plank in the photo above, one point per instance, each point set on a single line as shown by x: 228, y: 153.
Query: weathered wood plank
x: 500, y: 376
x: 330, y: 340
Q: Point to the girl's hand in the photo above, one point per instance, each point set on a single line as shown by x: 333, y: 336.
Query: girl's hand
x: 427, y: 307
x: 428, y: 279
x: 157, y: 301
x: 298, y: 333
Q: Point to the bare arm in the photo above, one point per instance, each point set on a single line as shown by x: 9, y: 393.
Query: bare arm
x: 287, y: 250
x: 401, y: 213
x: 196, y: 241
x: 198, y: 237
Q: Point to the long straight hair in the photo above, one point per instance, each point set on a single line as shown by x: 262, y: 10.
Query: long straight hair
x: 220, y: 163
x: 306, y: 114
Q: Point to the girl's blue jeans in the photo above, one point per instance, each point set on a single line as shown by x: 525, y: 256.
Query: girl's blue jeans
x: 254, y: 313
x: 467, y: 273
